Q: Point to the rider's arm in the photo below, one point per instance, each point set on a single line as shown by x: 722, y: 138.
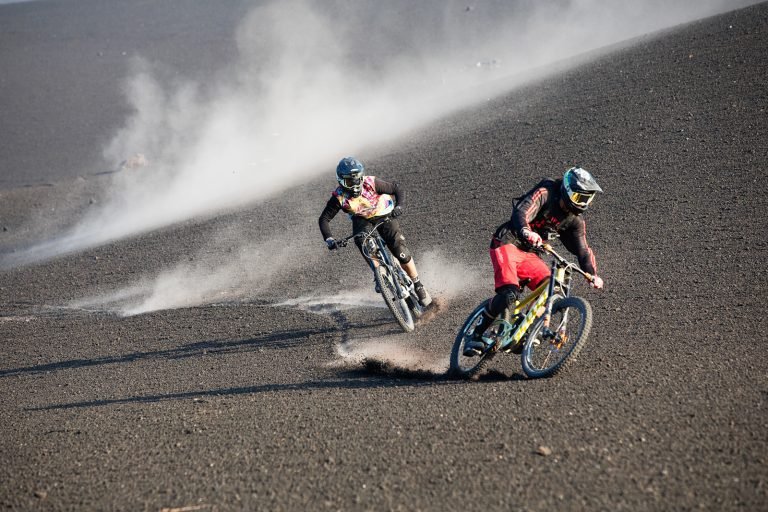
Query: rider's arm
x: 527, y: 208
x: 332, y: 207
x: 393, y: 189
x: 575, y: 240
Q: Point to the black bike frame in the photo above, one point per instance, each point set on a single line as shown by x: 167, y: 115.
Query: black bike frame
x: 384, y: 257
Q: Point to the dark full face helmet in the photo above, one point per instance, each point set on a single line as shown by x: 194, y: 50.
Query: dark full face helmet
x: 579, y: 189
x: 350, y: 173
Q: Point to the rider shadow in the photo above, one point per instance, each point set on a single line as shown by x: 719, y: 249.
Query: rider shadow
x: 271, y: 341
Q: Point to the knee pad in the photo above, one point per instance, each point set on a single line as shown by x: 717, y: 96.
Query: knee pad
x: 403, y: 255
x: 506, y: 296
x: 400, y: 250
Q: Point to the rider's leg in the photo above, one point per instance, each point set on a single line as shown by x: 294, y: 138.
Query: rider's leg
x: 510, y: 266
x: 421, y: 292
x: 533, y: 269
x: 504, y: 259
x: 395, y: 240
x: 505, y: 297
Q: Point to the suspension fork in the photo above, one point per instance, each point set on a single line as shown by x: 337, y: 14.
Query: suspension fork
x: 383, y: 255
x: 558, y: 276
x: 382, y: 259
x: 403, y: 281
x: 370, y: 246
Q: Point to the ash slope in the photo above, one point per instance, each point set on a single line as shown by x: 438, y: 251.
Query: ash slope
x: 243, y: 405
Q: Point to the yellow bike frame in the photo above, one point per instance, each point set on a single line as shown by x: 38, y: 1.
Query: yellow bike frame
x: 534, y: 305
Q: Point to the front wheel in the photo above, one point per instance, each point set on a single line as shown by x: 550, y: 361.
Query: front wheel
x: 411, y: 299
x: 389, y: 291
x: 547, y: 352
x: 463, y: 367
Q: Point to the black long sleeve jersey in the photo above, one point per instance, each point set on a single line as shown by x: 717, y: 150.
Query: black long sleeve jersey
x: 540, y: 210
x: 373, y: 188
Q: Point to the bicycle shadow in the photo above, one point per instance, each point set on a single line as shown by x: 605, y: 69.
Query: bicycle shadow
x: 349, y: 380
x: 388, y: 369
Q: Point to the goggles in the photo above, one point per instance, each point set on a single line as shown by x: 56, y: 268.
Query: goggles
x: 351, y: 181
x: 581, y: 199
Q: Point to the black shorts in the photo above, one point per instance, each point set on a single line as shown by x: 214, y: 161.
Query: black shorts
x: 389, y: 231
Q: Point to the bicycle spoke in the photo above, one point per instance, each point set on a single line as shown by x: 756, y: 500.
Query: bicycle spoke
x: 548, y: 351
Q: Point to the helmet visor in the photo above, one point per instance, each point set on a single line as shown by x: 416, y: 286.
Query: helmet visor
x: 581, y: 199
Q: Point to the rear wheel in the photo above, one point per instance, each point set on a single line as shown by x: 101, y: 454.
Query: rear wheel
x: 463, y: 367
x: 547, y: 352
x: 389, y: 288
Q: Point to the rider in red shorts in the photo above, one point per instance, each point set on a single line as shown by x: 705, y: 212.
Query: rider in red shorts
x: 552, y: 206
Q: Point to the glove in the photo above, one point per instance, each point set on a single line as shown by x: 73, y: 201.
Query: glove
x: 532, y: 237
x: 331, y: 243
x: 398, y: 211
x: 596, y: 283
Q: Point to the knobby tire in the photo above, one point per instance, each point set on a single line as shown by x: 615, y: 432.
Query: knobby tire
x: 463, y: 367
x: 534, y: 353
x: 387, y: 285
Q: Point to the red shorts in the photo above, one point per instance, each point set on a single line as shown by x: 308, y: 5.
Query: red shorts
x: 511, y: 264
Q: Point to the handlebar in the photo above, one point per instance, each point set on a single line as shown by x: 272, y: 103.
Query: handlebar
x: 344, y: 241
x: 547, y: 248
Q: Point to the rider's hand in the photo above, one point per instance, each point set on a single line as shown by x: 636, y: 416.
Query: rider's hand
x: 596, y: 283
x: 532, y: 237
x: 331, y: 243
x: 398, y: 211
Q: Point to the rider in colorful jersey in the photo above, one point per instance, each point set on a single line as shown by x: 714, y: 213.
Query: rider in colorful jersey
x: 368, y: 199
x: 552, y: 206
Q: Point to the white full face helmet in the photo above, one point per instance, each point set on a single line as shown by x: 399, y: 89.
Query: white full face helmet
x: 579, y: 189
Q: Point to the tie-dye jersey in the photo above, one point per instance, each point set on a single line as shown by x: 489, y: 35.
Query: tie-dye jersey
x: 368, y: 204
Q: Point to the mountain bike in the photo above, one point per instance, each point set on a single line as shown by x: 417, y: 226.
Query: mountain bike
x: 394, y: 284
x: 548, y: 328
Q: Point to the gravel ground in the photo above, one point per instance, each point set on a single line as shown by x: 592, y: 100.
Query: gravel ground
x: 282, y: 398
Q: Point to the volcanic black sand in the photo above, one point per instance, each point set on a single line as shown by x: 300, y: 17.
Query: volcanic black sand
x: 247, y: 404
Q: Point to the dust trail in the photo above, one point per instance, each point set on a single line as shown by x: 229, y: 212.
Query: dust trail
x: 394, y: 355
x: 223, y: 271
x: 444, y: 278
x: 397, y: 355
x: 289, y: 107
x: 332, y: 303
x: 214, y: 275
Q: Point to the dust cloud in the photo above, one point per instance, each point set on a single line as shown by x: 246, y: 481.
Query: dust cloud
x: 360, y: 73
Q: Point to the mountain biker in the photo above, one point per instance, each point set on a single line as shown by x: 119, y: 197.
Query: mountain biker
x: 367, y: 200
x: 552, y: 206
